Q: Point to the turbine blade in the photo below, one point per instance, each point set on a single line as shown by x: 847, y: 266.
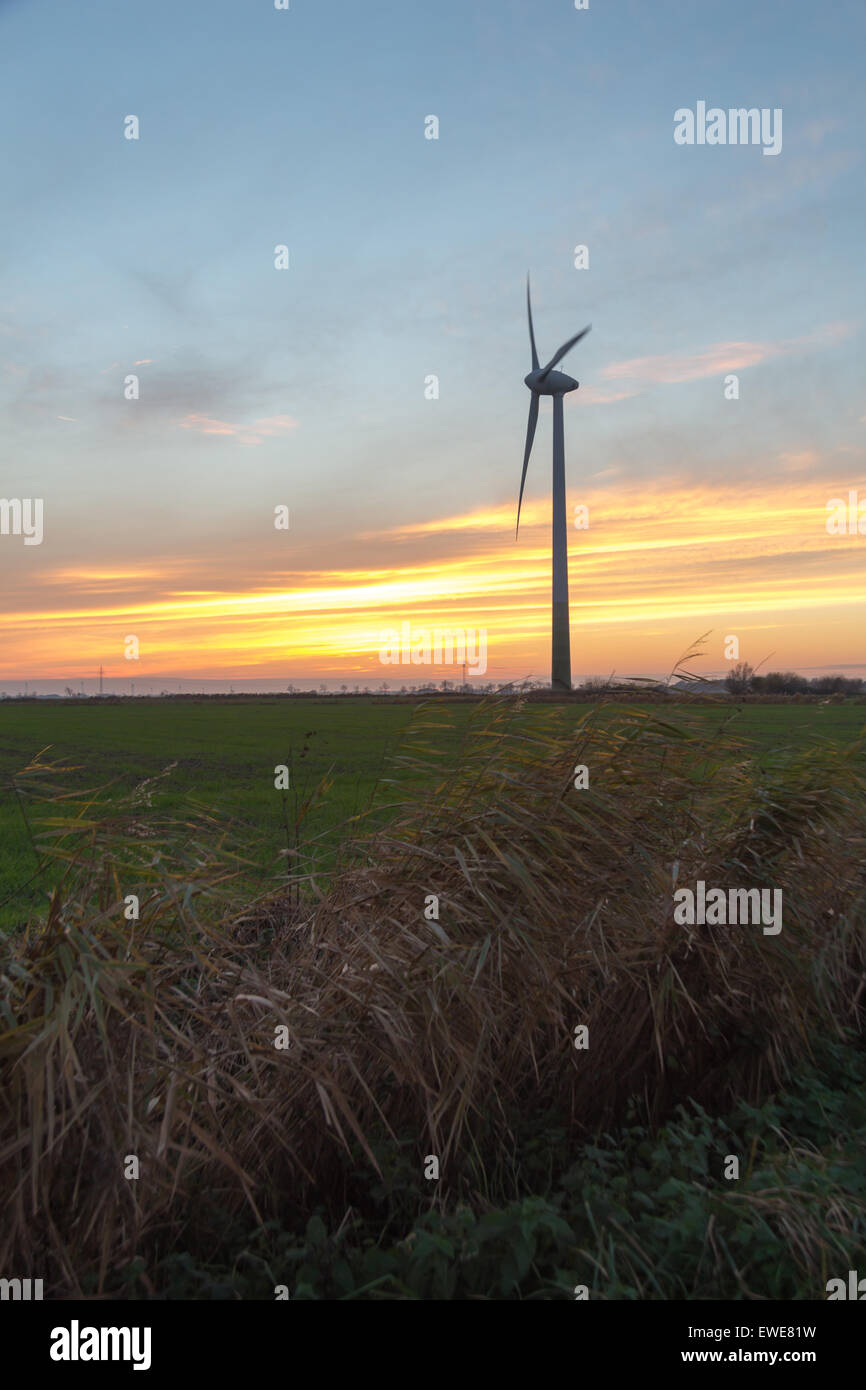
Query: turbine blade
x: 530, y: 435
x: 531, y: 334
x: 566, y: 347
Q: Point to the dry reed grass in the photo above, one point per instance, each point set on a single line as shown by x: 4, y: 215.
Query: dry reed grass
x: 156, y: 1037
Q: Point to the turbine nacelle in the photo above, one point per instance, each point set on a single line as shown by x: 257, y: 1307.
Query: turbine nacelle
x: 550, y: 383
x: 543, y: 381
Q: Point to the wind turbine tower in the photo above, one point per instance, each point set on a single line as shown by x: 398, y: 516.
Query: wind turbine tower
x: 544, y: 381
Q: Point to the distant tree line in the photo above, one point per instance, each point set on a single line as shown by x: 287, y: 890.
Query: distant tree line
x: 742, y: 680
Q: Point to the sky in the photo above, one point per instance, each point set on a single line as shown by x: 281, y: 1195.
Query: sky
x: 309, y: 387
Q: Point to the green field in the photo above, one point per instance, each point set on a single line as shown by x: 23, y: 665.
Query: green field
x: 309, y: 1054
x: 224, y: 754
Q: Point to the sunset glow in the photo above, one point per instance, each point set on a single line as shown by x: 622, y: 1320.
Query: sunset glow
x: 283, y: 289
x: 760, y: 563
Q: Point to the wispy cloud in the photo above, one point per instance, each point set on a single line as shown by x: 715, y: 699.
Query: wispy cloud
x: 671, y: 368
x: 601, y: 395
x: 798, y: 461
x: 255, y: 433
x: 814, y: 132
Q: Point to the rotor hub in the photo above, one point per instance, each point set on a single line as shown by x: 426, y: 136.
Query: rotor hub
x: 552, y: 384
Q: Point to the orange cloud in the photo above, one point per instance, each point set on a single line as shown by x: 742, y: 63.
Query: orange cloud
x: 488, y: 519
x: 658, y: 565
x: 600, y: 395
x: 669, y: 368
x: 254, y: 433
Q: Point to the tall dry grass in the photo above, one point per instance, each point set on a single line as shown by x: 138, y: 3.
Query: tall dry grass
x: 156, y: 1038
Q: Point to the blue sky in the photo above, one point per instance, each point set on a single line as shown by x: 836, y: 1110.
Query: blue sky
x: 408, y: 257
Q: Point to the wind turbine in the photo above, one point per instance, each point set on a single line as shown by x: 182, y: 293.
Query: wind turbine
x: 544, y: 381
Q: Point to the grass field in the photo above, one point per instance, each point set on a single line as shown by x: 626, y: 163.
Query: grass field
x: 220, y: 755
x: 283, y: 1071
